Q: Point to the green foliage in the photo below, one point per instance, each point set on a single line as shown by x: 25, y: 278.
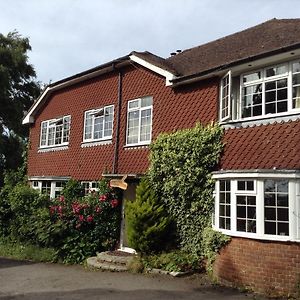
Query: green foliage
x: 18, y: 89
x: 26, y: 251
x: 75, y: 227
x: 180, y: 173
x: 175, y: 261
x: 72, y: 190
x: 148, y: 225
x: 213, y: 241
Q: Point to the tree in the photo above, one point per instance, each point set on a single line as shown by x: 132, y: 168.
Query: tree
x: 18, y: 89
x: 147, y: 220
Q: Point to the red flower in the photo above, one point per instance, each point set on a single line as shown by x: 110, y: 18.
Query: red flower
x: 52, y: 209
x: 89, y: 219
x: 78, y: 225
x: 98, y: 209
x: 114, y: 203
x: 102, y: 198
x: 81, y: 218
x: 61, y: 198
x: 59, y: 209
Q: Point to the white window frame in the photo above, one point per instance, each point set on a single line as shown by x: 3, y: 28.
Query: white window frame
x: 90, y: 186
x: 53, y: 124
x: 140, y: 109
x: 94, y: 112
x: 294, y: 205
x: 238, y: 101
x: 228, y: 95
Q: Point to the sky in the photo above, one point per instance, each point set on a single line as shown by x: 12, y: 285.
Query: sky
x: 71, y: 36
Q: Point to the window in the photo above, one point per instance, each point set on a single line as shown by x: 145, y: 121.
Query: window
x: 98, y: 124
x: 55, y: 132
x: 46, y: 187
x: 245, y: 206
x: 264, y: 208
x: 276, y: 200
x: 139, y: 121
x: 224, y: 219
x: 90, y: 186
x: 225, y: 96
x: 269, y: 91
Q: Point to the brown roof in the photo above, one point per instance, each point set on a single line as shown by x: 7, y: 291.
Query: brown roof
x: 156, y: 61
x: 270, y: 36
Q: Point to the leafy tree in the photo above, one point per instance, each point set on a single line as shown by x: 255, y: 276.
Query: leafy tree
x: 147, y: 220
x: 18, y: 89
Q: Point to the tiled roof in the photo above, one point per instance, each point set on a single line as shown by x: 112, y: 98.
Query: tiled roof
x: 274, y: 146
x: 271, y: 36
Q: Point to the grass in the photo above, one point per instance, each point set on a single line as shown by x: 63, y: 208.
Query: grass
x: 22, y: 251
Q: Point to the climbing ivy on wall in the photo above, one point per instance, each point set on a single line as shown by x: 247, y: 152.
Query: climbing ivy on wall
x: 180, y: 173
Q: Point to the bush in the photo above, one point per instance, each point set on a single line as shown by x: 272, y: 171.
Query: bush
x: 213, y: 241
x: 148, y: 225
x: 180, y: 173
x: 175, y: 261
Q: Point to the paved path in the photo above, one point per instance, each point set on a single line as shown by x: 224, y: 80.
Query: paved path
x: 38, y: 281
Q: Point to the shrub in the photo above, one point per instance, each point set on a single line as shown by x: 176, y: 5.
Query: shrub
x: 180, y: 173
x: 213, y: 241
x: 148, y: 225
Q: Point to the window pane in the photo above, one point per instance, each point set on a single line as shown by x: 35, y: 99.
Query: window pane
x: 146, y: 101
x: 98, y: 127
x: 296, y: 67
x: 241, y: 211
x: 252, y: 76
x: 270, y: 228
x: 241, y: 225
x: 270, y: 213
x: 134, y: 104
x: 283, y: 228
x: 277, y: 70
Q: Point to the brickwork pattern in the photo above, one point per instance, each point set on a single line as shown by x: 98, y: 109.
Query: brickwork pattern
x: 172, y: 109
x: 268, y: 267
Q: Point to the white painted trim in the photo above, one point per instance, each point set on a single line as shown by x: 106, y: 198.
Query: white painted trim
x: 255, y: 174
x: 96, y: 143
x: 53, y: 148
x: 168, y: 75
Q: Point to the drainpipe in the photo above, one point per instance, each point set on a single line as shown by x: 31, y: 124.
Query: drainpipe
x: 116, y: 152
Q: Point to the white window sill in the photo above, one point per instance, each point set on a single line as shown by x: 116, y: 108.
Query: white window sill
x: 138, y: 145
x: 255, y: 236
x: 53, y: 148
x: 95, y: 143
x: 261, y: 120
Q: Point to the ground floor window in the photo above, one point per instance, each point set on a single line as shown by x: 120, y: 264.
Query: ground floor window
x: 53, y: 188
x: 90, y: 186
x: 258, y: 205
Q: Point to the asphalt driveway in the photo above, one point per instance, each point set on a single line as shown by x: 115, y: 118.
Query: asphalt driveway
x: 26, y: 280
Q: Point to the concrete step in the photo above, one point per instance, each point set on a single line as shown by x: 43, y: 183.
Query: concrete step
x: 93, y: 262
x: 116, y: 257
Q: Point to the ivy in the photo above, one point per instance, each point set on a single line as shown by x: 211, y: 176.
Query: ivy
x: 180, y: 173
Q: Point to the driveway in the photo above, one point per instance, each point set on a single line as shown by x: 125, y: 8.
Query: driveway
x: 39, y: 281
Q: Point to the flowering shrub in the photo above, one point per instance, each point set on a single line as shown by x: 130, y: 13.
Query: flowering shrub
x: 91, y: 223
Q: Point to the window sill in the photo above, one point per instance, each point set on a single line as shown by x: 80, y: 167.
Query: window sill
x: 136, y: 146
x: 255, y: 236
x: 262, y: 120
x: 53, y: 148
x: 95, y: 143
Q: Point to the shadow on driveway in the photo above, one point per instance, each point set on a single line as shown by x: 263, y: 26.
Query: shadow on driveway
x: 112, y: 294
x: 9, y: 263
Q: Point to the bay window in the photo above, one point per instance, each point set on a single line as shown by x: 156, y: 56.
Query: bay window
x: 258, y: 207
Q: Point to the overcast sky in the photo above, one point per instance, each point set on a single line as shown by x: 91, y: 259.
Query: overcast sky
x: 70, y: 36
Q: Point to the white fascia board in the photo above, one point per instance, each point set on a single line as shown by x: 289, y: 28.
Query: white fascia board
x: 29, y: 118
x: 168, y: 75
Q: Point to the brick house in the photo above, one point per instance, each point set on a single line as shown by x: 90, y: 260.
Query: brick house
x: 101, y: 121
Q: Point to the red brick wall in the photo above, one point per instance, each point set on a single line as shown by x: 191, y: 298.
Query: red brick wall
x: 267, y: 267
x: 262, y: 147
x: 172, y: 109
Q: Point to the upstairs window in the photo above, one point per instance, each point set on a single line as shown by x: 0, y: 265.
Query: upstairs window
x: 269, y: 91
x: 139, y: 121
x: 55, y: 132
x: 98, y: 124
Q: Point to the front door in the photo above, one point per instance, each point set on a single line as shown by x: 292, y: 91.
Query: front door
x: 128, y: 195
